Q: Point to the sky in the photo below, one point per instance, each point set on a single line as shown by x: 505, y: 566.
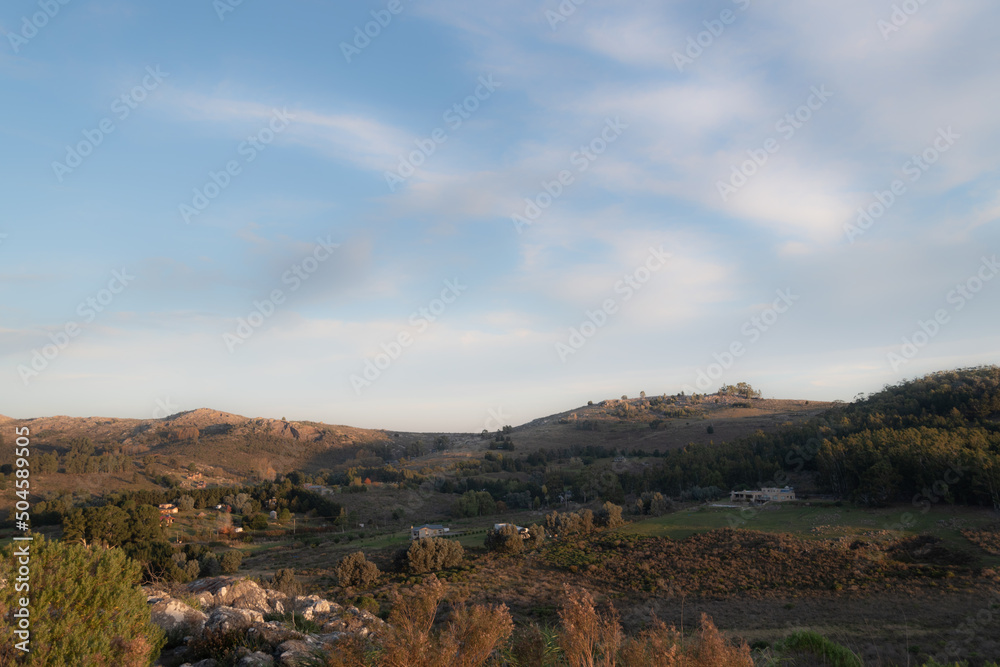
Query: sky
x: 448, y: 216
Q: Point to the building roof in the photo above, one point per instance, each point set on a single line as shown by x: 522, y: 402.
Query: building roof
x: 430, y: 526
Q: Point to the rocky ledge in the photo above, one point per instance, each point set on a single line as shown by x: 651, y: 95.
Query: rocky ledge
x: 238, y: 607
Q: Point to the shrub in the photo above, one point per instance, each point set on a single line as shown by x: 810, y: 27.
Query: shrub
x: 86, y: 608
x: 185, y: 503
x: 284, y: 580
x: 432, y: 554
x: 356, y: 570
x: 231, y: 561
x: 468, y: 640
x: 210, y: 566
x: 816, y: 645
x: 255, y: 522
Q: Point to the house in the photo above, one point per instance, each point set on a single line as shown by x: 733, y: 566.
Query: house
x: 619, y: 459
x: 764, y: 495
x: 168, y: 508
x: 523, y: 532
x: 166, y: 520
x: 427, y: 530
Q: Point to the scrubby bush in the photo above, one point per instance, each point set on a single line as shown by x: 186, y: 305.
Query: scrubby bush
x: 432, y: 554
x: 468, y: 639
x: 231, y: 561
x: 255, y: 522
x: 356, y: 570
x: 210, y: 566
x: 86, y: 608
x: 284, y: 581
x: 185, y: 503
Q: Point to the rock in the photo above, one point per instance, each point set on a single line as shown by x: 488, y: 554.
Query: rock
x: 246, y: 594
x: 207, y: 662
x: 257, y: 659
x: 274, y: 633
x: 175, y: 616
x: 295, y: 652
x: 223, y: 619
x: 311, y: 605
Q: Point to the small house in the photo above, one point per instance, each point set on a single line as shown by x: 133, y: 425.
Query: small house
x: 427, y: 530
x: 168, y: 508
x: 765, y: 495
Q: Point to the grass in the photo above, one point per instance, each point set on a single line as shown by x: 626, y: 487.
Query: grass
x: 825, y: 521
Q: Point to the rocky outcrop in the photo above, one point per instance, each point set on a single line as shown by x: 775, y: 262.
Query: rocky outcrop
x: 239, y: 606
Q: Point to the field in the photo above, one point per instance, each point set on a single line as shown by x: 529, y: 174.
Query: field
x: 819, y: 521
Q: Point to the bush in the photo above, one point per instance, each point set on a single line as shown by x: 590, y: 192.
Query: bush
x: 86, y: 608
x: 356, y: 570
x: 210, y: 566
x: 284, y: 581
x: 432, y: 554
x: 185, y: 503
x: 818, y: 646
x: 231, y: 561
x: 504, y: 540
x: 469, y: 638
x: 255, y: 522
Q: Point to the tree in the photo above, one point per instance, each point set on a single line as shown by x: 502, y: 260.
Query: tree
x: 356, y: 570
x: 504, y: 540
x: 255, y: 522
x: 185, y: 503
x: 284, y: 516
x: 432, y: 554
x: 231, y: 561
x: 86, y: 608
x: 48, y: 463
x: 536, y: 537
x: 610, y: 516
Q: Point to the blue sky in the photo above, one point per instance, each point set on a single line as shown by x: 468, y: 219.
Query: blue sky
x: 497, y: 212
